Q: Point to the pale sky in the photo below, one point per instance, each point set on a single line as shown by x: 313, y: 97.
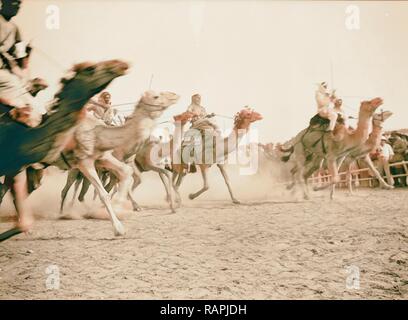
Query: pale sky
x: 265, y: 54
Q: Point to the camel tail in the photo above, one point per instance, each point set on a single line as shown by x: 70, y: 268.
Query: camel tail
x: 287, y: 157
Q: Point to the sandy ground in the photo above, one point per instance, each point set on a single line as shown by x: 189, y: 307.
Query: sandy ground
x: 269, y: 248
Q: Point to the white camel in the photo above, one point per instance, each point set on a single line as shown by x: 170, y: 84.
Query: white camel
x: 109, y: 148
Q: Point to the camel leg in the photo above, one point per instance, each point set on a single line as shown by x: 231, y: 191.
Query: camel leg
x: 112, y: 182
x: 301, y: 177
x: 333, y: 170
x: 302, y: 170
x: 227, y: 182
x: 162, y: 178
x: 87, y: 168
x: 350, y: 179
x: 5, y: 187
x: 169, y: 187
x: 84, y: 190
x: 205, y: 187
x: 333, y: 187
x: 78, y: 182
x: 177, y: 179
x: 137, y: 180
x: 95, y: 195
x: 71, y: 178
x: 132, y: 199
x: 370, y: 164
x: 124, y: 173
x: 103, y: 177
x: 301, y: 180
x: 20, y: 195
x: 390, y: 179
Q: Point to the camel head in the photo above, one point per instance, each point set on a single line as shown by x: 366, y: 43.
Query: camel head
x: 184, y: 117
x: 87, y: 79
x: 369, y: 107
x: 245, y: 117
x: 36, y: 85
x: 156, y: 103
x: 380, y: 117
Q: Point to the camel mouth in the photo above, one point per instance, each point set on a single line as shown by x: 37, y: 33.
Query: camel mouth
x: 119, y: 67
x: 172, y: 97
x: 256, y: 116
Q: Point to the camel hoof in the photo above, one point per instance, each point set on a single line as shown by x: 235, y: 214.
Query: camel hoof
x: 235, y: 201
x: 137, y: 209
x: 119, y: 230
x: 306, y: 197
x: 388, y: 187
x: 191, y: 196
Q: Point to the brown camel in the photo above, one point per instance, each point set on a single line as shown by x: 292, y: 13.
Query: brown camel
x: 44, y: 144
x: 181, y: 164
x: 364, y: 150
x: 150, y: 156
x: 314, y: 144
x: 109, y: 147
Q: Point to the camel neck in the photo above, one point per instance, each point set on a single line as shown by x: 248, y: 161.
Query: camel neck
x: 126, y: 138
x: 232, y: 140
x: 363, y: 127
x: 375, y: 136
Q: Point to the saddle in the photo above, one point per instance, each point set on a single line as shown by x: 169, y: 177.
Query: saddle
x: 318, y: 121
x: 194, y: 141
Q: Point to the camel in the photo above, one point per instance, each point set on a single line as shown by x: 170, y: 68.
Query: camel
x: 143, y: 162
x: 363, y: 152
x: 43, y: 144
x: 74, y: 175
x: 314, y: 144
x: 109, y: 147
x: 147, y: 159
x: 242, y: 122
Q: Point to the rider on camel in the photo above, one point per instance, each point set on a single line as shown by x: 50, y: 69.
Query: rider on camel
x: 14, y: 56
x: 324, y: 99
x: 201, y: 119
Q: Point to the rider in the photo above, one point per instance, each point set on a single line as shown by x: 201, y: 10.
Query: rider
x: 201, y: 119
x: 338, y: 103
x: 324, y: 99
x: 102, y: 109
x: 103, y: 112
x: 13, y: 64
